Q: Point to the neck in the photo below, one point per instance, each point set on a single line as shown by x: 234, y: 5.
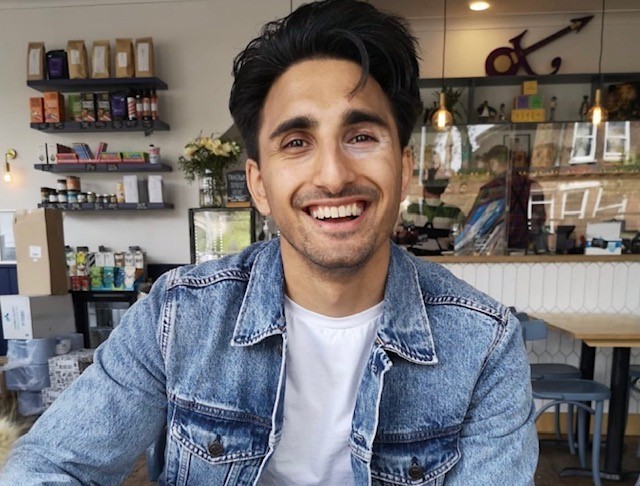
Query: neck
x: 335, y: 292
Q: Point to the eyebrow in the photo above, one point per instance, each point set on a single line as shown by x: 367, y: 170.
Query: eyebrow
x: 351, y: 117
x: 295, y: 123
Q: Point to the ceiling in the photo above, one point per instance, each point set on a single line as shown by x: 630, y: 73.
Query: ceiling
x: 459, y: 8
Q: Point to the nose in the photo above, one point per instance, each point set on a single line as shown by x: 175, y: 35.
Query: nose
x: 334, y: 169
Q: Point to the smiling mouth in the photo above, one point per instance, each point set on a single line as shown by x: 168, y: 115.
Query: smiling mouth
x: 334, y: 213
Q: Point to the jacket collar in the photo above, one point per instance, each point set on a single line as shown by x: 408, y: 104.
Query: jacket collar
x: 404, y: 329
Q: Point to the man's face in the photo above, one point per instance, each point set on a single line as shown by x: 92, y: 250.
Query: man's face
x: 332, y: 172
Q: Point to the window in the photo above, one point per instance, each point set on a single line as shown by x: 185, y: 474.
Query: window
x: 583, y: 149
x: 616, y: 141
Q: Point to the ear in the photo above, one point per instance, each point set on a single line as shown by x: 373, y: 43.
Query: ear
x: 407, y: 171
x: 256, y: 187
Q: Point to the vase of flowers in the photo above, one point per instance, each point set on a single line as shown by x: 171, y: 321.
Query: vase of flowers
x: 205, y: 159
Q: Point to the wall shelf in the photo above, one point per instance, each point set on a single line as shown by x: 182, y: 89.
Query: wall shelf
x: 102, y: 167
x: 77, y: 85
x: 146, y: 126
x: 105, y: 208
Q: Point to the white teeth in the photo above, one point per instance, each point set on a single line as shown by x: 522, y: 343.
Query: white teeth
x: 333, y: 212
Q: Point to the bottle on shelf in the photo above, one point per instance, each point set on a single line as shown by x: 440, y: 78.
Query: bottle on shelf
x: 138, y: 106
x: 146, y: 105
x: 131, y: 105
x: 154, y: 105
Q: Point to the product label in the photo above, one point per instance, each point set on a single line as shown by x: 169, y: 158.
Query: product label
x: 35, y: 252
x: 143, y: 57
x: 34, y: 62
x: 123, y: 59
x: 99, y: 64
x: 74, y: 57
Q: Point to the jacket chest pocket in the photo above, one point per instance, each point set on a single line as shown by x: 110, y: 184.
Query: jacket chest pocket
x: 420, y: 459
x: 219, y: 447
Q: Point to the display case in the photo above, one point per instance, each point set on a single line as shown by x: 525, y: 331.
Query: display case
x: 98, y: 313
x: 528, y: 187
x: 217, y: 232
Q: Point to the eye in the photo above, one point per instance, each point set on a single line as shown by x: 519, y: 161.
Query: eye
x: 295, y: 143
x: 362, y: 137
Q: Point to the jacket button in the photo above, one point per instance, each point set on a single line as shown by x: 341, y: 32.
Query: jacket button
x: 416, y: 472
x: 216, y: 449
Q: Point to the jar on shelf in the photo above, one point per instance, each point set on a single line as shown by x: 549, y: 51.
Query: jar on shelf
x: 73, y: 183
x: 91, y: 197
x: 53, y: 196
x: 61, y: 185
x: 44, y: 194
x: 62, y: 196
x: 72, y: 196
x: 82, y: 197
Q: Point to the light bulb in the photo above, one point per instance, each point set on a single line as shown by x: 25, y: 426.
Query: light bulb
x: 478, y: 5
x: 7, y: 177
x: 442, y: 119
x: 597, y: 114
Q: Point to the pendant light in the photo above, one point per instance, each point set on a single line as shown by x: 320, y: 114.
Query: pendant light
x: 597, y: 114
x: 442, y: 119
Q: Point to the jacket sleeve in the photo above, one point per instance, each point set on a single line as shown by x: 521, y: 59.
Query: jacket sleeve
x: 94, y: 432
x: 499, y: 442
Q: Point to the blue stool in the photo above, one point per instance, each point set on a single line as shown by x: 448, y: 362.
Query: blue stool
x: 574, y: 393
x: 534, y: 329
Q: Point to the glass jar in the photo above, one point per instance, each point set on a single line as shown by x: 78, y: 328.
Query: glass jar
x: 211, y: 191
x: 61, y: 185
x: 91, y: 197
x: 62, y: 196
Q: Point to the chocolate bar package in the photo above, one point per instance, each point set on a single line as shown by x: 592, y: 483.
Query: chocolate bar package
x: 103, y: 107
x: 88, y: 104
x: 119, y: 105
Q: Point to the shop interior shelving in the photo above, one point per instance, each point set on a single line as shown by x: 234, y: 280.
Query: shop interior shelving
x: 102, y: 167
x: 106, y: 207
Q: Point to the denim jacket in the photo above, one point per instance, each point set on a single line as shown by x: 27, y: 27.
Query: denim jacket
x: 445, y: 397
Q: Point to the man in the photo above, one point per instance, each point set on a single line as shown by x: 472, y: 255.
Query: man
x: 434, y: 220
x: 487, y: 222
x: 326, y: 356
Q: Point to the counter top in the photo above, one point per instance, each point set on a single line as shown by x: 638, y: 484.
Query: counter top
x: 533, y: 258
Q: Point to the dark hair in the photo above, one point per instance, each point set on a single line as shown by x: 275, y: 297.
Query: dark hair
x: 334, y: 29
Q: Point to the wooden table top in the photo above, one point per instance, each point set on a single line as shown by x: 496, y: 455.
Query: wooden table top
x: 598, y: 330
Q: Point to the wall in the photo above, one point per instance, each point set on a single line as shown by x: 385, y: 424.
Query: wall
x: 195, y: 42
x: 581, y: 288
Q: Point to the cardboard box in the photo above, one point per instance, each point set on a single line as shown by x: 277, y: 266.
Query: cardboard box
x: 37, y: 109
x: 155, y: 189
x: 530, y: 87
x: 53, y: 107
x: 64, y: 369
x: 42, y: 265
x: 43, y: 316
x: 131, y: 189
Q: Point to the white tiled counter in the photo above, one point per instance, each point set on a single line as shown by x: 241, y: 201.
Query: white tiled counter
x: 576, y: 284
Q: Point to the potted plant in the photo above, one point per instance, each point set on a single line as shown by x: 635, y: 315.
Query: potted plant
x: 205, y: 159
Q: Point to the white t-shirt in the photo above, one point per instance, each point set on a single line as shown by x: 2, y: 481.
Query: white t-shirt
x: 324, y: 364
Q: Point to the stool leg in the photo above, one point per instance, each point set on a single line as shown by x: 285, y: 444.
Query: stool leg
x: 570, y: 437
x: 595, y: 451
x: 557, y: 420
x: 582, y: 442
